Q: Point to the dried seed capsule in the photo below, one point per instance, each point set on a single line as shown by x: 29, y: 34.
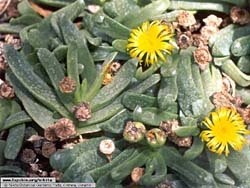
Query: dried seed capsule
x: 82, y: 112
x: 245, y: 114
x: 213, y: 20
x: 227, y: 83
x: 14, y: 41
x: 194, y: 27
x: 184, y: 40
x: 208, y: 31
x: 237, y: 101
x: 134, y: 131
x: 156, y: 137
x: 168, y: 126
x: 64, y: 128
x: 28, y: 156
x: 222, y: 99
x: 186, y: 19
x: 67, y: 85
x: 198, y: 40
x: 183, y: 141
x: 202, y: 56
x: 114, y: 67
x: 50, y: 134
x: 240, y: 15
x: 6, y: 91
x: 48, y: 148
x: 136, y: 174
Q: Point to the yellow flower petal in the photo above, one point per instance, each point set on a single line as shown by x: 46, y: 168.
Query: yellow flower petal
x: 225, y: 128
x: 149, y: 41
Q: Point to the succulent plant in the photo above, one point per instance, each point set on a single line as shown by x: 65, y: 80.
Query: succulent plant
x: 152, y: 117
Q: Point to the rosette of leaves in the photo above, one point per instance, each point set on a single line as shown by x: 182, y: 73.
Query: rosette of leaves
x: 55, y: 48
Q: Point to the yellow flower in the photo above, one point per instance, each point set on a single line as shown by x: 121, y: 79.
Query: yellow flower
x: 226, y: 128
x: 149, y: 41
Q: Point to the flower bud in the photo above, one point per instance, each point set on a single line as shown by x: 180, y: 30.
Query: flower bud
x: 156, y: 137
x: 134, y: 131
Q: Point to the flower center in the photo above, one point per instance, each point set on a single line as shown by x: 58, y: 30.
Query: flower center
x: 149, y: 42
x: 224, y: 131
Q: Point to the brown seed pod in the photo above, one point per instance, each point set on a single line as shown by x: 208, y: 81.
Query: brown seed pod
x: 64, y: 128
x: 198, y: 40
x: 82, y: 112
x: 183, y: 141
x: 239, y: 15
x: 202, y: 57
x: 114, y: 67
x: 186, y: 19
x: 28, y: 156
x: 6, y: 90
x: 167, y: 127
x: 213, y: 21
x: 245, y: 114
x: 222, y: 99
x: 194, y: 27
x: 14, y: 41
x: 48, y: 148
x: 208, y: 31
x: 50, y: 134
x: 184, y: 40
x: 67, y: 85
